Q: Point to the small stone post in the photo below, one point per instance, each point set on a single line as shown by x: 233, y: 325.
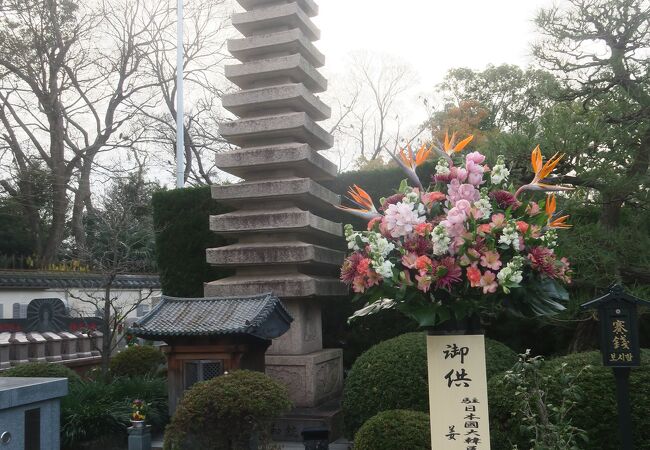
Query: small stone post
x: 140, y: 438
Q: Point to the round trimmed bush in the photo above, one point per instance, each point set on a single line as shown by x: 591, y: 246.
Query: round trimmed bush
x: 393, y: 375
x: 137, y: 361
x: 595, y: 412
x: 395, y: 429
x: 226, y: 412
x: 38, y: 370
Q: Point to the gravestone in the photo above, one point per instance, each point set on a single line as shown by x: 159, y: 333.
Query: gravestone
x: 288, y: 239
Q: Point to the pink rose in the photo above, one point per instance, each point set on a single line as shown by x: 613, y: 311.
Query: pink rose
x: 459, y: 173
x: 456, y: 216
x: 475, y: 157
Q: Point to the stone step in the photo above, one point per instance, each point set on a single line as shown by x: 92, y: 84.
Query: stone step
x: 290, y: 285
x: 264, y: 253
x: 278, y: 221
x: 286, y: 42
x: 279, y: 128
x: 267, y: 100
x: 302, y: 192
x: 274, y: 18
x: 309, y: 6
x: 257, y: 162
x: 265, y: 72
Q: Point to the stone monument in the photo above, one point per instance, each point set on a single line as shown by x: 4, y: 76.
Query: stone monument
x: 288, y: 239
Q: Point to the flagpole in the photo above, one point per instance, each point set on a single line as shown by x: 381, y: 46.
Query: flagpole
x: 180, y: 110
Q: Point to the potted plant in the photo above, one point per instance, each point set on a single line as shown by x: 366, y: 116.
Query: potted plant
x: 138, y: 413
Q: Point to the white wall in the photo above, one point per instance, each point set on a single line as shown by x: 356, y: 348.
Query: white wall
x: 123, y: 297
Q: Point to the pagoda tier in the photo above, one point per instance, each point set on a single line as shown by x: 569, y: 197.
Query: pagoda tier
x: 288, y: 239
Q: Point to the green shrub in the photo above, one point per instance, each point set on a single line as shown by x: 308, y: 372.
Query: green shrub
x: 225, y: 412
x: 182, y: 223
x: 137, y: 361
x: 595, y: 411
x: 393, y: 375
x: 47, y: 370
x: 395, y: 429
x: 94, y: 410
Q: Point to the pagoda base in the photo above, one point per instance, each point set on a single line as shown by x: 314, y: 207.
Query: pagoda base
x: 288, y: 428
x: 312, y: 379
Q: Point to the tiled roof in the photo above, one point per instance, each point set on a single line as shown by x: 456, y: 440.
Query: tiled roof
x: 262, y: 316
x: 23, y: 279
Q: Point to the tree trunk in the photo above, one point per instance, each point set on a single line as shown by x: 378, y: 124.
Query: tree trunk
x: 610, y: 215
x: 81, y: 200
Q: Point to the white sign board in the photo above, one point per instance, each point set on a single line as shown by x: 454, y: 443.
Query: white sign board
x: 458, y: 401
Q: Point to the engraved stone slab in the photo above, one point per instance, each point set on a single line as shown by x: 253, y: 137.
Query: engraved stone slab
x: 312, y: 378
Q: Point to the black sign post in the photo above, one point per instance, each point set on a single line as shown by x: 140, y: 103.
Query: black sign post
x: 619, y: 345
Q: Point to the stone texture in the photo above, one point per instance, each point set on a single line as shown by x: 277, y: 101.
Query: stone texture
x: 309, y: 6
x: 312, y: 378
x: 289, y: 241
x: 287, y: 42
x: 280, y: 128
x: 303, y: 192
x: 37, y: 345
x: 256, y: 163
x: 262, y: 253
x: 267, y: 72
x: 285, y: 285
x: 291, y: 97
x: 277, y: 17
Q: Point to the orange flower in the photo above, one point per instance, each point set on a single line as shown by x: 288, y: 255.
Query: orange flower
x: 522, y: 226
x: 474, y: 276
x: 361, y: 198
x: 551, y: 206
x: 542, y: 171
x: 450, y: 147
x: 412, y: 161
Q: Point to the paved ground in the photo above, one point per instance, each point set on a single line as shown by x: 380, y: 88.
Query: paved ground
x: 341, y: 444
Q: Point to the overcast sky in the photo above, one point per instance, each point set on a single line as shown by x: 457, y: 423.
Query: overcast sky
x: 431, y: 35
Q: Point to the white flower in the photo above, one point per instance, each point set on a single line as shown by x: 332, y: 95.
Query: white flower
x: 441, y: 240
x: 442, y: 168
x: 500, y: 172
x: 484, y: 206
x: 401, y: 218
x: 550, y: 238
x: 510, y: 236
x: 384, y: 269
x: 511, y: 273
x: 380, y: 247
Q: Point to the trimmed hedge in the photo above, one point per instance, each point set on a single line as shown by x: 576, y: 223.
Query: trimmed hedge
x: 596, y: 410
x: 226, y: 412
x: 395, y: 429
x: 137, y: 360
x: 393, y: 375
x: 182, y: 224
x: 42, y: 370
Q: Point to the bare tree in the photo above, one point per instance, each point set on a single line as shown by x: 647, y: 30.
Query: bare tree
x: 368, y: 118
x: 120, y: 241
x: 70, y: 78
x: 207, y: 28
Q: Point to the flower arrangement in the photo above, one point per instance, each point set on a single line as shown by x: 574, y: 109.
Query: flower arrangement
x: 138, y: 410
x: 467, y: 244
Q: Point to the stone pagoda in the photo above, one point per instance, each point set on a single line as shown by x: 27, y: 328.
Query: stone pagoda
x: 287, y: 238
